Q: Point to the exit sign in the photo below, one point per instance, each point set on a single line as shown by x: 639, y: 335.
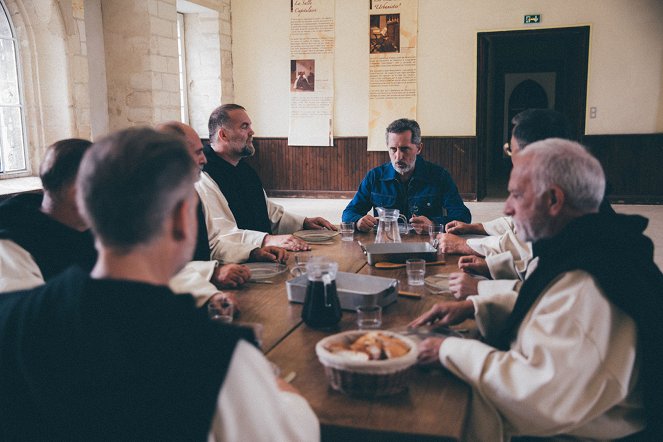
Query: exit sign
x: 532, y: 18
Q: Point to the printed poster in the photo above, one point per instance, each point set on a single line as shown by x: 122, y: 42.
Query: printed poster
x: 311, y: 72
x: 392, y: 49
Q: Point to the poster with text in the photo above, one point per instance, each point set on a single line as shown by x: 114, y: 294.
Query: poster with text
x: 392, y: 51
x: 311, y: 73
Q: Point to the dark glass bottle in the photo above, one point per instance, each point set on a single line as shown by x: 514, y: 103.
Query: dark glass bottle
x: 322, y: 308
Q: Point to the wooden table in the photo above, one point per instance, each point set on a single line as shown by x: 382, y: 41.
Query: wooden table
x: 435, y: 404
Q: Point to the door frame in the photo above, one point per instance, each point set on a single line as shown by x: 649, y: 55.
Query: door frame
x: 574, y: 67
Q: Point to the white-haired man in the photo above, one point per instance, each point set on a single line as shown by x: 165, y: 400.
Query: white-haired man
x: 575, y: 353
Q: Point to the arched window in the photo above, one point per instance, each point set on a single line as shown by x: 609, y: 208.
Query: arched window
x: 12, y: 127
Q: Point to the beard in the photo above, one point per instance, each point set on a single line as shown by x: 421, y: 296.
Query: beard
x: 248, y: 150
x: 534, y: 229
x: 403, y: 167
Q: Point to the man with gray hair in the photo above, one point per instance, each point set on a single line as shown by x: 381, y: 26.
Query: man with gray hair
x: 577, y: 351
x: 114, y: 354
x: 420, y: 190
x: 506, y: 256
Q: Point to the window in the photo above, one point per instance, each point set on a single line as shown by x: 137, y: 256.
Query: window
x: 12, y: 127
x: 184, y: 106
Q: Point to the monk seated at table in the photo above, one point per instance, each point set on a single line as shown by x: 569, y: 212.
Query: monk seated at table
x: 236, y: 206
x: 42, y: 235
x: 112, y: 354
x: 577, y: 352
x: 501, y: 255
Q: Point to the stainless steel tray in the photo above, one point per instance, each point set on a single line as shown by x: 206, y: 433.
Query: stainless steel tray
x: 398, y: 252
x: 353, y: 290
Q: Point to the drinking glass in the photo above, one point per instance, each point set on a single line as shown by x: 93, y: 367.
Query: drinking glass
x: 347, y: 231
x: 301, y: 258
x: 221, y: 310
x: 369, y: 317
x: 433, y: 231
x: 416, y: 269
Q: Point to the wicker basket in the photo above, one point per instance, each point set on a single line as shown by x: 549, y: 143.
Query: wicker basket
x: 366, y: 378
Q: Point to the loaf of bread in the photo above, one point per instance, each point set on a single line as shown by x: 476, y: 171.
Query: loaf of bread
x: 374, y: 346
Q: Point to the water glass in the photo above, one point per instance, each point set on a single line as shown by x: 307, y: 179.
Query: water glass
x: 416, y: 269
x: 347, y: 231
x: 433, y: 231
x: 221, y: 310
x: 369, y: 317
x: 301, y: 258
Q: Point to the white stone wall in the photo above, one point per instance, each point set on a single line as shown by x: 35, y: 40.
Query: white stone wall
x: 140, y: 58
x: 209, y: 62
x: 140, y: 40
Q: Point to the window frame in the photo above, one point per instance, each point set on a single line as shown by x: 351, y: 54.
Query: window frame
x: 181, y: 62
x: 21, y: 101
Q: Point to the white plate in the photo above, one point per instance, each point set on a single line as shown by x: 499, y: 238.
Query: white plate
x: 265, y: 270
x: 320, y: 235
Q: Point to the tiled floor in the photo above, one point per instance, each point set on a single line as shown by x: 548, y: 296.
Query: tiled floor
x: 481, y: 211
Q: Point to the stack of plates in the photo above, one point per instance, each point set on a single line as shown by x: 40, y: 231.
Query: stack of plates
x: 314, y: 236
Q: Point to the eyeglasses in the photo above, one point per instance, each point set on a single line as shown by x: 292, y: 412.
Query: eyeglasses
x: 507, y: 149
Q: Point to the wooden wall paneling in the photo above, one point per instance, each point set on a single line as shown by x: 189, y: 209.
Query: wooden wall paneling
x: 632, y: 164
x: 337, y: 171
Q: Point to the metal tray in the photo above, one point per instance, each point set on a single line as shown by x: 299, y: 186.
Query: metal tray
x: 398, y: 252
x: 353, y: 290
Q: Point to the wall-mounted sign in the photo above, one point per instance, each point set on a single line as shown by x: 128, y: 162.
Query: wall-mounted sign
x: 532, y: 18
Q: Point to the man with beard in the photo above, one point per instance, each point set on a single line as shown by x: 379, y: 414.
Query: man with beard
x: 577, y: 352
x: 235, y: 201
x: 420, y: 190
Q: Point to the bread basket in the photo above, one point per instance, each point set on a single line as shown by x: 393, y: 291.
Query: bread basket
x: 366, y: 378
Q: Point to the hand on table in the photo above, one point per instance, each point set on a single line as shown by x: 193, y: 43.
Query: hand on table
x: 429, y: 351
x: 461, y: 228
x: 269, y: 254
x: 420, y: 224
x: 463, y: 285
x: 227, y: 297
x: 445, y: 313
x: 288, y: 242
x: 366, y: 223
x: 453, y: 244
x: 318, y: 223
x: 474, y: 264
x: 230, y: 276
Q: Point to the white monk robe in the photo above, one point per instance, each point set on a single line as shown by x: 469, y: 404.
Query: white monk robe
x: 571, y: 369
x: 229, y: 243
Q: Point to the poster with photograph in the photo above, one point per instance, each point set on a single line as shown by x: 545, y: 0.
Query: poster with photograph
x: 311, y: 79
x: 392, y: 51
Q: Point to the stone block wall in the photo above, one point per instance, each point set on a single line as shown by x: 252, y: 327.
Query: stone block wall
x: 140, y: 40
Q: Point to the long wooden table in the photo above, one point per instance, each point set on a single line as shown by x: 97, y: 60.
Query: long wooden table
x: 434, y: 406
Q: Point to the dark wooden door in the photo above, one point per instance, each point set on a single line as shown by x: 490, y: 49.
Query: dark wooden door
x: 560, y: 54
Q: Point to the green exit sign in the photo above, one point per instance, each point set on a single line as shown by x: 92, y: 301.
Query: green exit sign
x: 532, y: 18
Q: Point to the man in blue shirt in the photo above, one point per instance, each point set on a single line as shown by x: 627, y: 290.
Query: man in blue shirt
x: 420, y: 190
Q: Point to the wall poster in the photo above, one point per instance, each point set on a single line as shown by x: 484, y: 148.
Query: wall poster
x: 311, y: 72
x: 392, y: 48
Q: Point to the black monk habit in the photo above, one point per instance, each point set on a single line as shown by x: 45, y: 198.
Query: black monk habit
x: 53, y: 245
x: 243, y: 189
x: 86, y: 359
